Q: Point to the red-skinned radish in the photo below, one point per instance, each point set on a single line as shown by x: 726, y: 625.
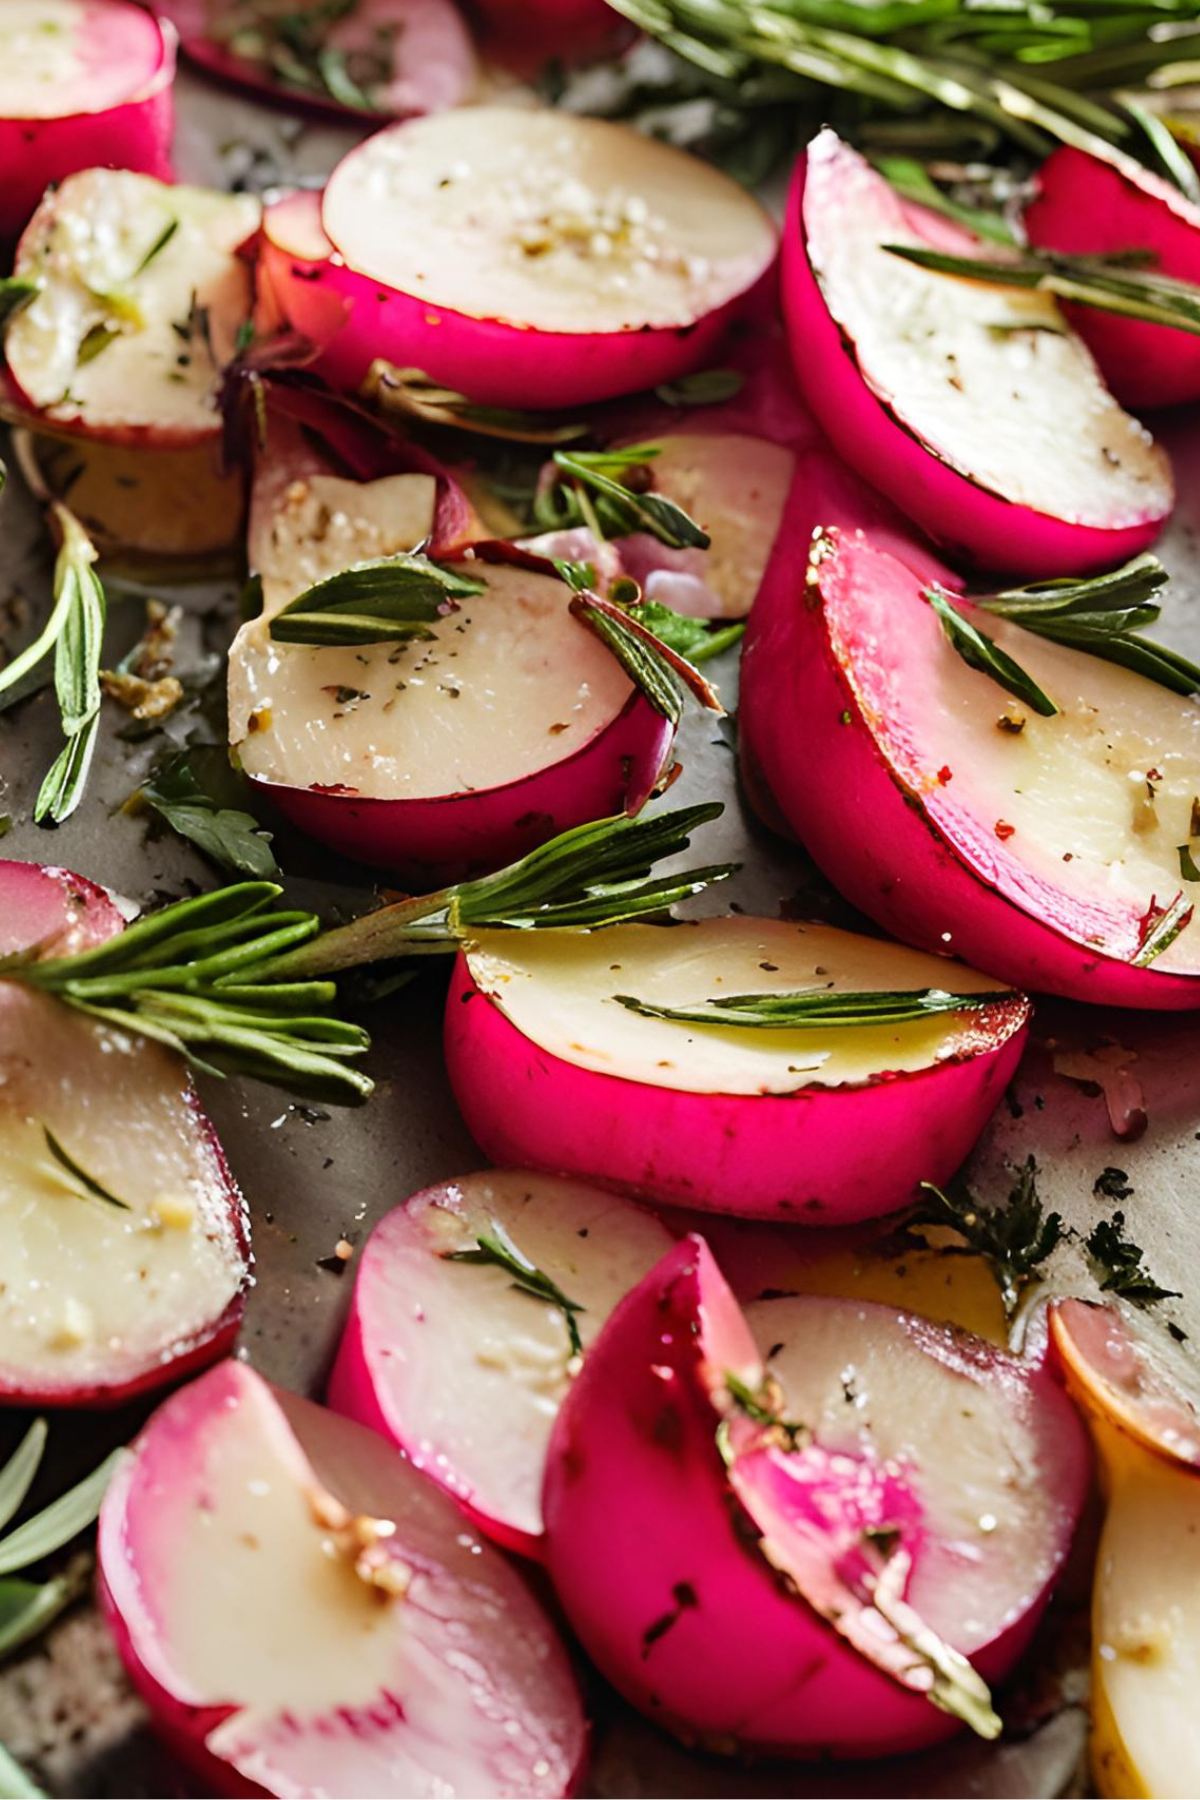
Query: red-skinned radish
x: 141, y: 296
x: 304, y: 1613
x: 1018, y: 842
x: 1088, y: 206
x: 786, y: 1556
x: 970, y: 406
x: 607, y: 262
x: 82, y: 83
x: 526, y: 35
x: 458, y: 1365
x: 402, y: 56
x: 814, y: 1126
x: 112, y: 1293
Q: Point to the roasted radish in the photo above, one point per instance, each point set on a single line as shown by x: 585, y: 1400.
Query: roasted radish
x: 526, y: 35
x: 304, y: 1613
x: 473, y: 1303
x: 972, y: 406
x: 140, y: 297
x: 52, y: 911
x: 82, y: 83
x: 1052, y: 850
x: 617, y: 1056
x: 538, y: 259
x: 379, y: 58
x: 823, y: 1526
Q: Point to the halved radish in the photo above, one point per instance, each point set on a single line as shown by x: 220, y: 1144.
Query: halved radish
x: 52, y: 909
x: 971, y: 406
x: 788, y: 1546
x: 1044, y: 849
x: 459, y: 751
x: 526, y: 35
x: 1100, y: 207
x: 1120, y: 1373
x: 82, y: 83
x: 378, y: 59
x: 141, y: 295
x: 458, y: 1364
x: 539, y: 259
x: 305, y: 1614
x: 817, y: 1126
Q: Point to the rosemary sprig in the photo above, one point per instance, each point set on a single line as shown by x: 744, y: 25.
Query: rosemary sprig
x: 192, y: 977
x: 92, y: 1188
x: 495, y: 1249
x: 391, y: 600
x: 814, y: 1009
x: 1109, y: 284
x: 611, y: 491
x: 75, y: 633
x: 293, y: 47
x: 1014, y: 1240
x: 979, y: 652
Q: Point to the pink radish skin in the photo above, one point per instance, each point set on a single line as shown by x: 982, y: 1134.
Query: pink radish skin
x: 655, y: 1545
x: 813, y: 1157
x: 969, y: 519
x: 53, y: 908
x: 433, y: 65
x: 1095, y: 208
x: 927, y: 870
x: 455, y: 1366
x: 467, y: 1689
x: 129, y: 122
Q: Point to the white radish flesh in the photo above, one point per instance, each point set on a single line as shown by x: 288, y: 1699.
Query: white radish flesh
x: 454, y: 1362
x: 124, y: 351
x: 58, y: 58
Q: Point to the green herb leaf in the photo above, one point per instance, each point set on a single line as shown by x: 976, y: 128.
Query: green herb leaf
x: 59, y: 1522
x: 232, y: 838
x: 913, y: 180
x: 91, y: 1187
x: 158, y: 246
x: 815, y: 1009
x: 390, y: 600
x: 1121, y: 1264
x: 663, y: 675
x: 495, y: 1248
x: 14, y: 1783
x: 27, y: 1607
x: 979, y: 652
x: 697, y: 639
x: 707, y: 387
x: 1187, y: 863
x: 16, y: 1477
x: 764, y: 1408
x: 16, y: 291
x: 625, y: 509
x: 94, y: 340
x: 413, y: 394
x: 1014, y: 1240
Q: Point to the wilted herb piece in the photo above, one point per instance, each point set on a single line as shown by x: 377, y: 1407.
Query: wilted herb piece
x: 495, y: 1249
x: 232, y: 838
x: 1187, y: 863
x: 1114, y: 1184
x: 763, y: 1408
x: 664, y: 676
x: 93, y: 1188
x: 979, y: 652
x: 391, y: 600
x: 707, y: 387
x: 160, y: 243
x: 1160, y: 926
x: 414, y: 394
x: 816, y: 1008
x: 94, y: 340
x: 1120, y: 1264
x: 1014, y: 1239
x: 16, y: 291
x: 604, y: 490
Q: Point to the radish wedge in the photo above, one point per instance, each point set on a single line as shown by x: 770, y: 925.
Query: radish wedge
x: 456, y: 1363
x: 817, y: 1126
x: 305, y: 1614
x: 511, y: 699
x: 1033, y: 847
x: 141, y: 296
x: 1101, y: 208
x: 736, y: 488
x: 607, y: 262
x: 1120, y: 1374
x: 789, y: 1558
x: 379, y: 58
x: 82, y: 82
x: 53, y: 911
x: 971, y: 406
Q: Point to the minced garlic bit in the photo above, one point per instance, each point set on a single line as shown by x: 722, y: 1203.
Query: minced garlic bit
x: 74, y: 1327
x: 612, y: 226
x: 174, y: 1212
x: 362, y: 1541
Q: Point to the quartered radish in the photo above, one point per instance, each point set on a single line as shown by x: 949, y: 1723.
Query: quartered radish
x: 306, y: 1614
x: 539, y: 259
x: 381, y: 58
x: 785, y: 1530
x: 1043, y: 849
x: 82, y: 83
x: 526, y: 35
x: 460, y: 1364
x: 973, y: 407
x: 53, y: 910
x: 463, y: 750
x: 141, y: 295
x: 816, y: 1125
x: 1103, y: 207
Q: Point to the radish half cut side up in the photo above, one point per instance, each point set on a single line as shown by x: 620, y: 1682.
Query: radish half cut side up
x: 1100, y: 208
x: 82, y: 83
x: 608, y: 262
x: 967, y: 404
x: 304, y: 1613
x: 105, y: 1294
x: 817, y: 1126
x: 1043, y: 849
x: 461, y: 1368
x: 402, y: 56
x: 787, y: 1558
x: 511, y: 698
x: 141, y: 295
